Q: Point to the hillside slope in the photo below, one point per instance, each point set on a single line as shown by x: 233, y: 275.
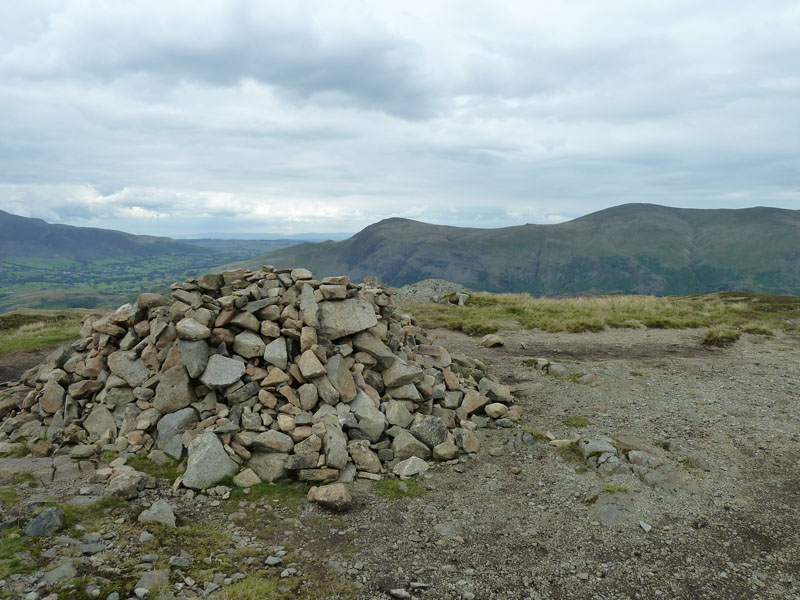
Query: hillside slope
x: 23, y: 236
x: 639, y: 248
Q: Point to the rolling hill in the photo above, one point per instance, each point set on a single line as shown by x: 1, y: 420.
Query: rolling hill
x: 632, y: 248
x: 59, y: 266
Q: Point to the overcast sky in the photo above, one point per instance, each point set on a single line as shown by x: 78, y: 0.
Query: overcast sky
x: 181, y: 117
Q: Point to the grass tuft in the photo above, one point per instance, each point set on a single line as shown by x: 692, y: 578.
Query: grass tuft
x: 393, y: 489
x: 577, y: 421
x: 720, y: 336
x: 26, y: 333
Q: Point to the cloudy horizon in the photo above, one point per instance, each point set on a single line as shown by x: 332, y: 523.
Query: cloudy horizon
x: 181, y: 118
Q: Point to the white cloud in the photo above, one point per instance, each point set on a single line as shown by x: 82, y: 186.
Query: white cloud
x: 331, y: 115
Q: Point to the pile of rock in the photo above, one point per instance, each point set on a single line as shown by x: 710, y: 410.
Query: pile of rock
x: 257, y: 375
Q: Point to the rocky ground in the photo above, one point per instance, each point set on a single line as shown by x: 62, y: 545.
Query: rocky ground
x: 696, y: 497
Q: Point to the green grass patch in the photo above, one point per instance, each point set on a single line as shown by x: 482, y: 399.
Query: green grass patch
x: 617, y: 488
x: 577, y: 421
x: 287, y: 492
x: 8, y: 497
x: 23, y: 478
x: 253, y: 587
x: 570, y: 452
x: 41, y: 333
x: 393, y: 489
x: 487, y: 313
x: 91, y: 515
x: 12, y: 547
x: 170, y: 470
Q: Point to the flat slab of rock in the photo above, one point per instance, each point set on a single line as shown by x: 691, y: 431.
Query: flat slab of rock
x: 338, y: 318
x: 221, y: 372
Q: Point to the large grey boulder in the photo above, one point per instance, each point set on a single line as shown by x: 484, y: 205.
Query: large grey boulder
x: 338, y: 318
x: 221, y: 371
x: 174, y: 391
x: 129, y: 367
x: 335, y: 444
x: 208, y: 463
x: 195, y: 356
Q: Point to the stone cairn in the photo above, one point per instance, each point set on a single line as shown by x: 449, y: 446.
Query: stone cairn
x: 256, y: 376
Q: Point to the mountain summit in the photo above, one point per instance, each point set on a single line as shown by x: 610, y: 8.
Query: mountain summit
x: 632, y: 248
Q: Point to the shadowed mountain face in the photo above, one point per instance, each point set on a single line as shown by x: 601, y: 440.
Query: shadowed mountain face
x: 34, y: 238
x: 636, y: 248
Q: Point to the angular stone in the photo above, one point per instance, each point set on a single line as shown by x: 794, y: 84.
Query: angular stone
x: 99, y: 422
x: 244, y: 393
x: 473, y: 403
x: 431, y: 431
x: 410, y: 467
x: 275, y: 353
x: 48, y: 522
x: 334, y: 496
x: 246, y: 478
x: 309, y: 309
x: 174, y: 424
x: 338, y: 318
x: 363, y: 457
x: 309, y: 365
x: 397, y: 414
x: 445, y: 451
x: 439, y: 355
x: 406, y: 445
x: 333, y: 292
x: 249, y: 345
x: 195, y: 356
x: 211, y: 282
x: 221, y: 371
x: 246, y: 320
x: 269, y: 466
x: 496, y: 392
x: 84, y: 388
x: 160, y: 512
x: 326, y: 391
x: 174, y: 391
x: 335, y: 444
x: 208, y: 462
x: 369, y: 343
x: 52, y: 399
x: 341, y: 378
x: 401, y: 373
x: 148, y: 300
x: 189, y: 329
x: 273, y: 441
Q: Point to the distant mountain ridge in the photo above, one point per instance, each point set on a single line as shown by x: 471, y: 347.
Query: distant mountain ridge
x: 631, y: 248
x: 28, y: 237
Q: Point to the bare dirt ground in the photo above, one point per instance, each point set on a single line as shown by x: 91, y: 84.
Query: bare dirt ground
x: 14, y: 364
x: 719, y: 519
x: 730, y: 532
